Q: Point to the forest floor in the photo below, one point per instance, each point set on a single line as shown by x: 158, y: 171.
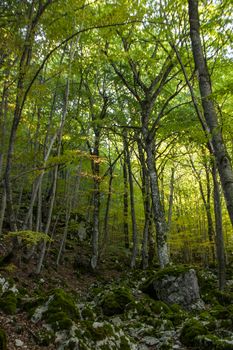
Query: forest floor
x: 141, y: 322
x: 21, y: 332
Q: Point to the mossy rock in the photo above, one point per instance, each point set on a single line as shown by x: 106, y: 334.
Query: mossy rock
x: 8, y: 302
x: 59, y: 321
x: 226, y: 324
x: 176, y: 314
x: 115, y: 301
x: 63, y: 302
x: 99, y: 330
x: 220, y: 312
x: 175, y: 271
x: 3, y: 340
x: 212, y: 342
x: 44, y: 337
x: 139, y: 308
x: 190, y: 331
x: 125, y: 344
x: 147, y: 307
x: 88, y: 313
x: 159, y: 307
x: 61, y: 311
x: 30, y: 304
x: 147, y: 285
x: 208, y: 284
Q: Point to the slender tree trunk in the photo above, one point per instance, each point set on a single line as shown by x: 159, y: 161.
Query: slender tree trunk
x: 146, y: 203
x: 211, y: 231
x: 220, y: 153
x: 219, y: 231
x: 159, y: 217
x: 171, y: 197
x: 206, y: 202
x: 96, y: 200
x: 3, y: 115
x: 125, y: 203
x: 3, y: 208
x: 132, y: 204
x: 34, y: 15
x: 54, y: 187
x: 49, y: 218
x: 65, y: 232
x: 107, y: 209
x: 151, y: 241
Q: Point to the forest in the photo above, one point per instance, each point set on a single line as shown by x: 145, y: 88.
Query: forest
x: 116, y: 177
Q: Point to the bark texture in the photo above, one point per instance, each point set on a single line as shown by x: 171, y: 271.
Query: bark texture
x: 220, y: 153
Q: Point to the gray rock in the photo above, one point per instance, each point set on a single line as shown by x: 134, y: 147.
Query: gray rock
x: 179, y: 289
x: 142, y: 347
x: 150, y: 340
x: 19, y: 343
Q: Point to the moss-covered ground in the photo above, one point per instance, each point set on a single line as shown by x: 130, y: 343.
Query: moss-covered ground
x: 111, y: 310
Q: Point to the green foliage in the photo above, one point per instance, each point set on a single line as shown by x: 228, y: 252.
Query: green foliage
x: 8, y: 302
x: 190, y: 331
x: 62, y: 310
x: 44, y: 337
x: 115, y: 301
x: 30, y: 237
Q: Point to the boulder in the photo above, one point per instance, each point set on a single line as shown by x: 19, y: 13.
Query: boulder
x: 175, y: 285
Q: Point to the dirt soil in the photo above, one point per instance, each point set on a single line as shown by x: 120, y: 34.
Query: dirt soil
x: 21, y: 331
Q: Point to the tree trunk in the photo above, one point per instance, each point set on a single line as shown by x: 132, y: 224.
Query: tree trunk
x: 96, y: 200
x: 34, y: 15
x: 159, y: 216
x: 125, y: 203
x: 206, y: 202
x: 3, y: 208
x: 146, y: 203
x: 171, y: 197
x: 219, y: 231
x: 132, y: 203
x: 220, y: 152
x: 54, y: 186
x: 107, y: 209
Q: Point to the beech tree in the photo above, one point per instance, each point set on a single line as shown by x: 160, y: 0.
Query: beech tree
x: 100, y: 128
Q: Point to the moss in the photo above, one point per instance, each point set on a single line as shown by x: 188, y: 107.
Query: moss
x: 220, y: 312
x: 116, y: 300
x: 30, y: 304
x: 44, y: 337
x: 88, y: 314
x: 125, y: 344
x: 148, y: 306
x: 212, y: 342
x: 226, y: 324
x: 224, y: 298
x: 190, y: 331
x: 176, y: 314
x: 8, y: 302
x: 62, y: 310
x: 208, y: 285
x: 3, y: 340
x: 99, y: 331
x: 59, y: 321
x: 159, y: 307
x: 63, y: 302
x: 147, y: 286
x: 172, y: 271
